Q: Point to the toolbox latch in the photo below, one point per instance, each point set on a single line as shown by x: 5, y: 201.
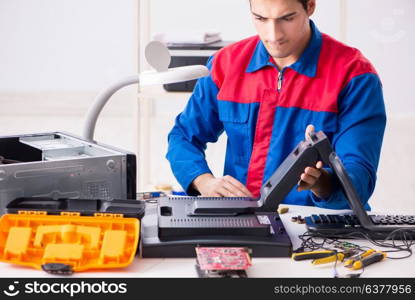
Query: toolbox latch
x: 32, y: 212
x: 108, y: 215
x: 70, y: 213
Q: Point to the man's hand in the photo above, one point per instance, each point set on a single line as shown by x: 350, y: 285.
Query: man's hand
x: 226, y: 186
x: 315, y: 178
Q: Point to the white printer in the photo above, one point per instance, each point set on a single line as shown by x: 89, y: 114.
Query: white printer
x: 190, y: 54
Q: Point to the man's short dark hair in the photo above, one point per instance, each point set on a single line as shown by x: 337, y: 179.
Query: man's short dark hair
x: 304, y: 3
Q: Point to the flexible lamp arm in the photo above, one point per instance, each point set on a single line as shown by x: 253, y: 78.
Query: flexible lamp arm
x: 99, y: 103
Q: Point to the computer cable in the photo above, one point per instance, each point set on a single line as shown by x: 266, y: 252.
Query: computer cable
x: 398, y: 240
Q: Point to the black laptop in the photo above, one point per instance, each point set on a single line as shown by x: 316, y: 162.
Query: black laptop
x: 359, y: 223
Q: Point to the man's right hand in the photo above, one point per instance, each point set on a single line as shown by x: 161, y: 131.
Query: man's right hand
x: 226, y: 186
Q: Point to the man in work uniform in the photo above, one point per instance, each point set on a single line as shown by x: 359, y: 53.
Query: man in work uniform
x: 269, y: 91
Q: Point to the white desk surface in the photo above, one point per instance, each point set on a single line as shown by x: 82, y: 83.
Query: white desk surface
x: 261, y: 267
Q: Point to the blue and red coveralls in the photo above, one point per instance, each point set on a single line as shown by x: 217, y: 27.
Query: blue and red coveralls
x: 264, y: 112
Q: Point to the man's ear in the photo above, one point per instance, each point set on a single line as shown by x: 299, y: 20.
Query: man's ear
x: 311, y: 7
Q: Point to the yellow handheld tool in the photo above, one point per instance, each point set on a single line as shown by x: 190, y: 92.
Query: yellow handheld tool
x: 312, y: 254
x: 368, y: 260
x: 339, y: 256
x: 349, y: 263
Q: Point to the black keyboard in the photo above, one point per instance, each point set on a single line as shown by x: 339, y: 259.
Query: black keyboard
x: 343, y: 224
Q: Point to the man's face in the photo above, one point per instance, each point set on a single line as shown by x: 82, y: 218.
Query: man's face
x: 282, y: 25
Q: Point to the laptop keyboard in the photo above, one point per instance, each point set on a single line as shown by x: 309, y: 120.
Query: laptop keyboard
x: 344, y: 221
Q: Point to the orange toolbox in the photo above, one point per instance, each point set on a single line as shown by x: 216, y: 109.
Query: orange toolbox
x: 70, y: 235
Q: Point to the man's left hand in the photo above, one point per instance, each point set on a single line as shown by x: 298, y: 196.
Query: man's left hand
x: 315, y: 178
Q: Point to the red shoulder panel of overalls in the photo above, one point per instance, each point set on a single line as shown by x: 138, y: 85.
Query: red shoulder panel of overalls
x: 337, y: 65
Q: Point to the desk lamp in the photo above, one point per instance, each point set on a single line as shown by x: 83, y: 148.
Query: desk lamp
x: 159, y: 58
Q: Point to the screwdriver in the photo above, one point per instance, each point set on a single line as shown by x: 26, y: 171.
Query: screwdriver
x: 368, y: 260
x: 348, y: 263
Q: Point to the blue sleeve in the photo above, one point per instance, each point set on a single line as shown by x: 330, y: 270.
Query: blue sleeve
x: 197, y: 125
x: 358, y: 139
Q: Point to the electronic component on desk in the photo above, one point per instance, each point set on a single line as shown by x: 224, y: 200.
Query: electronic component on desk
x: 223, y: 258
x: 298, y: 220
x: 178, y: 193
x: 166, y: 188
x: 150, y: 195
x: 282, y: 209
x: 346, y: 245
x: 214, y: 262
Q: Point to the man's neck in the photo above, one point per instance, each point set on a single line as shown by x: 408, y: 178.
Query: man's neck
x: 289, y: 60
